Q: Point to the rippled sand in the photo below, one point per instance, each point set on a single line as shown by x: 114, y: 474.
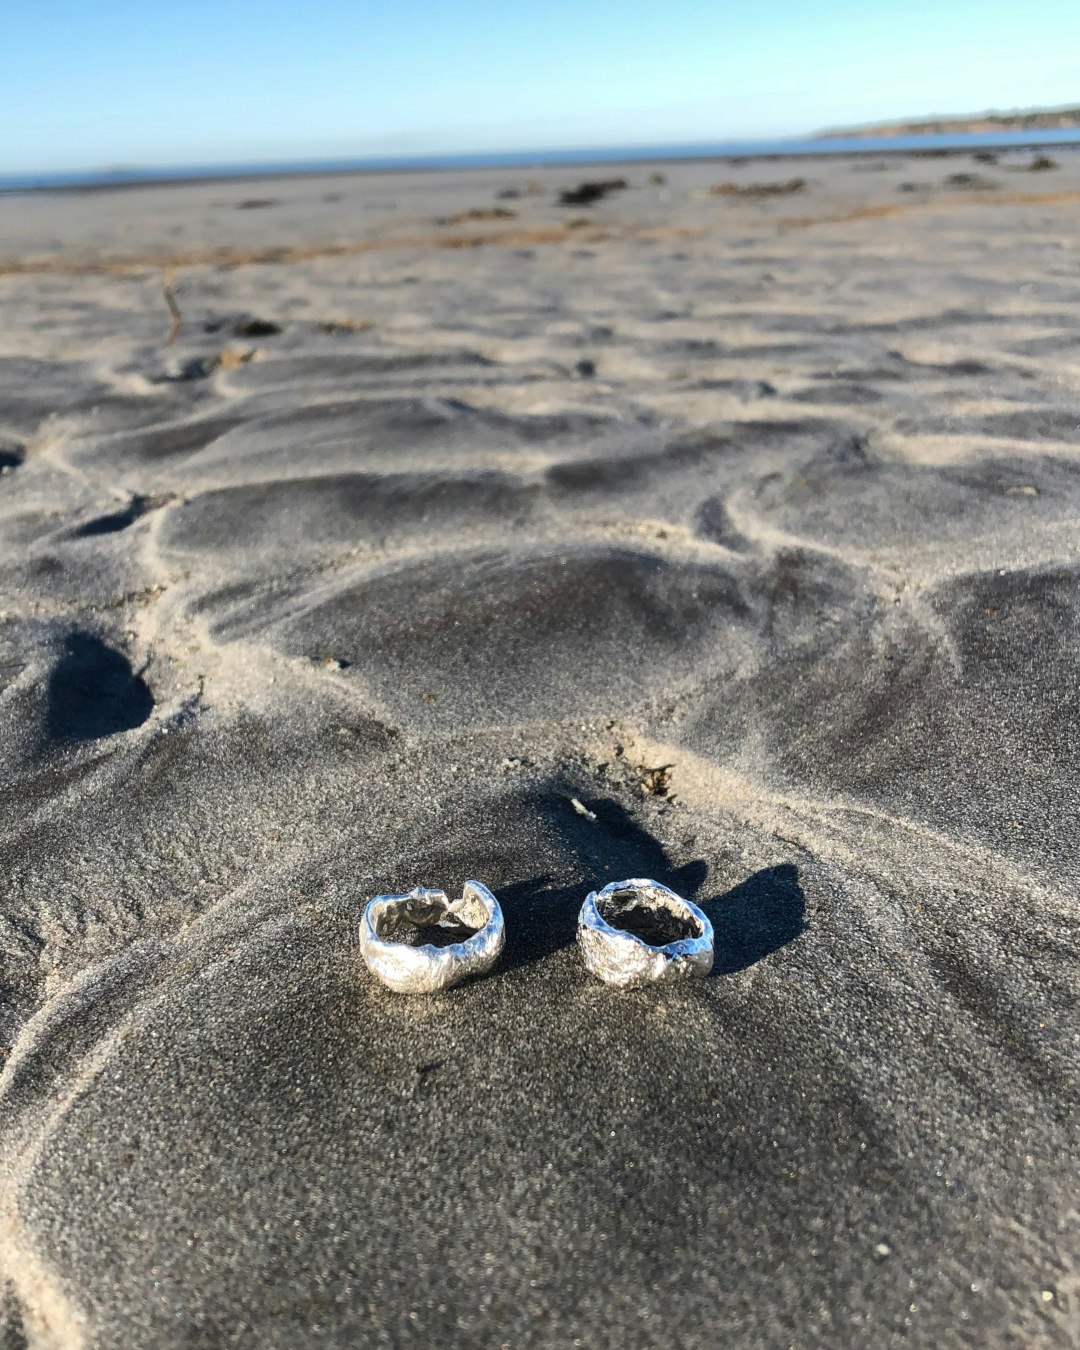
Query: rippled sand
x: 750, y: 522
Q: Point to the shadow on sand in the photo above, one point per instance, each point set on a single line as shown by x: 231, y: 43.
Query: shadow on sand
x: 94, y: 692
x: 760, y: 915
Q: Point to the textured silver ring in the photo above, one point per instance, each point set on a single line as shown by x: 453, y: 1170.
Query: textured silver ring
x: 424, y: 968
x: 622, y: 958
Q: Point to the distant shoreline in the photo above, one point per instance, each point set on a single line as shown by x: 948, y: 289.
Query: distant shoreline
x: 864, y: 141
x: 1036, y: 119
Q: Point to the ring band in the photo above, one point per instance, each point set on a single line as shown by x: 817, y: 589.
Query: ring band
x: 423, y: 969
x: 622, y: 958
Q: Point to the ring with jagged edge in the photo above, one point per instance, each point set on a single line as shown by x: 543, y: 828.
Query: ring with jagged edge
x: 622, y: 958
x: 424, y: 968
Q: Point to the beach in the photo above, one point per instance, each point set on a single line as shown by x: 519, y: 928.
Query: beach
x: 361, y: 532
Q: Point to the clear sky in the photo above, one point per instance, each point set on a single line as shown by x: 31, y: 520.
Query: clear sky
x: 90, y: 84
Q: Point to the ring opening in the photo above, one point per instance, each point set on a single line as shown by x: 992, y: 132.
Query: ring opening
x: 426, y: 921
x: 648, y: 915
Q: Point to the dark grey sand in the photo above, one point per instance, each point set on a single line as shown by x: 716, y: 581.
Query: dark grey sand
x: 753, y: 523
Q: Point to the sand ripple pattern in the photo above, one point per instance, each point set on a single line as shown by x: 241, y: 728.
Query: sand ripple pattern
x: 761, y: 544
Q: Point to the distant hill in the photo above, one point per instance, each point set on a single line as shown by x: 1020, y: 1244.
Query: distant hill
x: 1034, y: 119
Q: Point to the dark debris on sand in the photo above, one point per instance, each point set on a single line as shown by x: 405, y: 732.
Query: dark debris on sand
x: 254, y: 328
x: 970, y: 182
x: 479, y: 213
x: 593, y: 190
x: 784, y: 188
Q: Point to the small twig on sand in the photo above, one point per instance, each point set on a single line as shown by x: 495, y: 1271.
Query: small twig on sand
x: 582, y: 809
x: 174, y: 308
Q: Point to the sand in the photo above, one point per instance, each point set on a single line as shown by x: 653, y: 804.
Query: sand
x: 747, y: 520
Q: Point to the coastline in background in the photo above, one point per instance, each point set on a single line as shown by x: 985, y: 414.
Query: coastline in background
x: 1023, y: 121
x: 827, y: 144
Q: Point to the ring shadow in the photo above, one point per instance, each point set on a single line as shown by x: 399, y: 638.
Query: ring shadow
x: 759, y: 916
x: 756, y: 918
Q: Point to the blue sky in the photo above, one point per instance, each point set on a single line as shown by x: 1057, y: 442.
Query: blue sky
x: 98, y: 83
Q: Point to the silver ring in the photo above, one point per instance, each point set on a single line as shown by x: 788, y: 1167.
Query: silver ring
x: 423, y: 969
x: 622, y: 958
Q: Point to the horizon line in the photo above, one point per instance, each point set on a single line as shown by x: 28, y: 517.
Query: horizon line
x: 812, y: 144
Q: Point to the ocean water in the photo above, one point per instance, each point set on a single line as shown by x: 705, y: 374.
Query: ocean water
x: 115, y: 177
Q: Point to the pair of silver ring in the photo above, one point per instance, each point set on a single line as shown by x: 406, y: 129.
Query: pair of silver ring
x: 613, y: 953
